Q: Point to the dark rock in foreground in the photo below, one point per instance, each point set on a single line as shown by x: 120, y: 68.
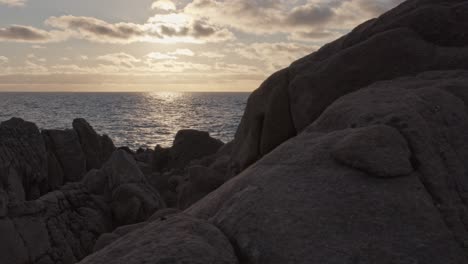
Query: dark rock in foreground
x: 377, y: 171
x: 63, y: 226
x: 417, y: 36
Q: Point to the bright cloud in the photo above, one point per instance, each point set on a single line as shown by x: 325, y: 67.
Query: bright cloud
x: 166, y: 5
x: 13, y: 2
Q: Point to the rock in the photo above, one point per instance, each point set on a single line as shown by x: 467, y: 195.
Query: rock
x: 160, y: 158
x: 199, y: 182
x: 190, y: 145
x: 266, y: 122
x: 311, y: 200
x: 381, y: 151
x: 23, y: 160
x: 132, y: 197
x: 66, y: 146
x: 108, y: 238
x: 96, y: 148
x: 429, y: 38
x: 178, y: 239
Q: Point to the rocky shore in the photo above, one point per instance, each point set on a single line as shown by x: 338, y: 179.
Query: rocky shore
x: 356, y: 153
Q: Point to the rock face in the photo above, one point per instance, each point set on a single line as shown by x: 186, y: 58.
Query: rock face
x: 378, y: 178
x: 96, y: 148
x: 23, y: 160
x: 176, y: 239
x: 377, y: 171
x: 429, y: 35
x: 120, y: 180
x: 66, y: 146
x: 190, y: 145
x: 63, y: 226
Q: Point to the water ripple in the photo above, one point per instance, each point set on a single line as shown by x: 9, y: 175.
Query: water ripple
x: 131, y: 119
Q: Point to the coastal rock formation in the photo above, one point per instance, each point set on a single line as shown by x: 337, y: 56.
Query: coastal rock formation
x: 375, y: 171
x: 380, y: 177
x: 177, y: 239
x: 64, y: 225
x: 132, y: 197
x: 96, y: 148
x: 417, y: 36
x: 23, y: 160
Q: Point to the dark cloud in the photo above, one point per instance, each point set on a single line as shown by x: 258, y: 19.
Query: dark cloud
x: 24, y: 34
x: 310, y: 15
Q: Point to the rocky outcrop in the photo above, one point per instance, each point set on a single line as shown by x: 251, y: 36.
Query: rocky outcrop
x: 177, y: 239
x: 63, y: 226
x: 23, y: 160
x: 66, y: 146
x: 418, y: 36
x: 132, y: 197
x: 380, y: 177
x: 375, y: 171
x: 96, y: 148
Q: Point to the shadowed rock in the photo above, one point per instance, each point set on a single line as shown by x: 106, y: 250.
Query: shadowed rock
x: 96, y: 148
x: 429, y: 35
x: 23, y: 160
x: 320, y: 197
x: 66, y: 146
x: 177, y: 239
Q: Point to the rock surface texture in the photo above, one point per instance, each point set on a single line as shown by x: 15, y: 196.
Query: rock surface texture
x: 354, y: 154
x: 417, y: 36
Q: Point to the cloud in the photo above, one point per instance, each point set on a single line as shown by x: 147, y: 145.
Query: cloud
x: 183, y: 52
x: 120, y: 59
x: 97, y: 30
x: 154, y: 56
x: 165, y: 5
x: 274, y: 55
x: 20, y: 33
x: 38, y: 47
x: 212, y: 55
x: 161, y: 28
x: 3, y: 60
x: 312, y: 20
x: 160, y: 56
x: 13, y: 2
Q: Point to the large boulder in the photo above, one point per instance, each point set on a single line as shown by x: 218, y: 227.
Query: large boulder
x: 380, y: 177
x: 417, y: 36
x: 175, y: 239
x: 190, y: 145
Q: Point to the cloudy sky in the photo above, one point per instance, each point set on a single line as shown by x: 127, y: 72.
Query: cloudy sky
x: 164, y: 45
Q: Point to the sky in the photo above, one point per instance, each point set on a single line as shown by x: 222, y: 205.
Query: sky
x: 165, y: 45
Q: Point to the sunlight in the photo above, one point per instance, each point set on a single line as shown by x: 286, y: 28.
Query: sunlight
x: 166, y: 97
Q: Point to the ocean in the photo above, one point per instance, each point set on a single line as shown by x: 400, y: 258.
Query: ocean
x: 131, y: 119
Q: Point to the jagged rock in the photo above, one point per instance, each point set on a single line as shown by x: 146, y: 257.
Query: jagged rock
x: 63, y: 226
x: 429, y: 37
x: 177, y: 239
x: 58, y: 227
x: 23, y: 160
x: 67, y: 149
x: 190, y: 145
x: 121, y: 181
x: 96, y: 148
